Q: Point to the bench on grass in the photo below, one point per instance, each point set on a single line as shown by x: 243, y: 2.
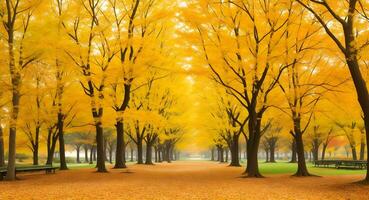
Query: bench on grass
x: 352, y: 164
x: 47, y: 168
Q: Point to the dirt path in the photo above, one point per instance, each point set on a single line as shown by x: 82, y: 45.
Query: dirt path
x: 180, y: 180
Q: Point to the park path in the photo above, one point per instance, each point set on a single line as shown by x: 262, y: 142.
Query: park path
x: 179, y: 180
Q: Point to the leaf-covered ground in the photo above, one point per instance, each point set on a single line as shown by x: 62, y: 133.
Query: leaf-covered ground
x: 179, y: 180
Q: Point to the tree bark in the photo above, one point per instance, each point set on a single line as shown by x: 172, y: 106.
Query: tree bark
x: 156, y: 154
x: 324, y: 148
x: 86, y: 153
x: 254, y: 126
x: 354, y: 154
x: 120, y: 161
x: 36, y: 145
x: 52, y: 139
x: 100, y: 163
x: 267, y: 153
x: 315, y: 150
x: 212, y: 154
x: 148, y: 154
x: 293, y: 152
x: 234, y: 147
x: 132, y: 151
x: 139, y: 151
x: 16, y: 83
x: 221, y: 155
x: 301, y: 164
x: 272, y: 154
x: 63, y: 163
x: 362, y: 147
x: 227, y: 155
x: 78, y: 148
x: 91, y: 154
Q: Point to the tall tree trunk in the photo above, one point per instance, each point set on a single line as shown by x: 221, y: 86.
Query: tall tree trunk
x: 354, y: 154
x: 94, y: 153
x: 78, y: 148
x: 36, y: 145
x: 293, y: 152
x: 252, y: 167
x: 267, y: 155
x: 315, y: 151
x: 120, y: 161
x: 235, y: 161
x: 86, y: 153
x: 227, y: 155
x: 139, y: 151
x: 324, y: 148
x: 16, y: 83
x: 221, y: 155
x: 132, y: 151
x: 63, y: 162
x: 301, y: 164
x: 91, y: 154
x: 362, y: 147
x: 2, y: 153
x: 111, y: 155
x: 148, y: 154
x: 212, y: 154
x: 52, y: 138
x: 272, y: 153
x: 100, y: 163
x: 156, y: 154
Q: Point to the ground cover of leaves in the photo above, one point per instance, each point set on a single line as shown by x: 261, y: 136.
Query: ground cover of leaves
x: 179, y: 180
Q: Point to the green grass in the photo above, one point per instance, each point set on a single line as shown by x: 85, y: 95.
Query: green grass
x: 283, y: 167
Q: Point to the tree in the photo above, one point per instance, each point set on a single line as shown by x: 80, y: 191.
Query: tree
x: 93, y: 59
x: 348, y: 41
x: 254, y: 65
x: 16, y: 17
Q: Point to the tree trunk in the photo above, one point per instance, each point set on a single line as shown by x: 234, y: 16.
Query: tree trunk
x: 86, y: 153
x: 315, y: 151
x: 132, y: 151
x: 111, y: 155
x: 51, y: 144
x: 139, y: 151
x: 362, y: 148
x: 293, y: 152
x: 78, y: 148
x: 221, y: 155
x: 272, y: 153
x: 354, y: 154
x: 227, y: 155
x: 91, y: 154
x: 324, y: 148
x: 212, y: 154
x: 36, y: 145
x: 120, y: 150
x: 267, y: 155
x: 63, y: 163
x: 156, y: 154
x: 301, y: 164
x: 14, y: 111
x: 2, y: 153
x: 254, y: 127
x: 148, y: 154
x: 100, y: 148
x: 235, y: 161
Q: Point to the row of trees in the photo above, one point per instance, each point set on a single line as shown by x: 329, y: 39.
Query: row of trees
x: 280, y: 56
x: 66, y: 57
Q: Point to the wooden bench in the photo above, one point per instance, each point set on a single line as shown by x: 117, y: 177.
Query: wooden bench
x: 47, y: 168
x: 352, y: 164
